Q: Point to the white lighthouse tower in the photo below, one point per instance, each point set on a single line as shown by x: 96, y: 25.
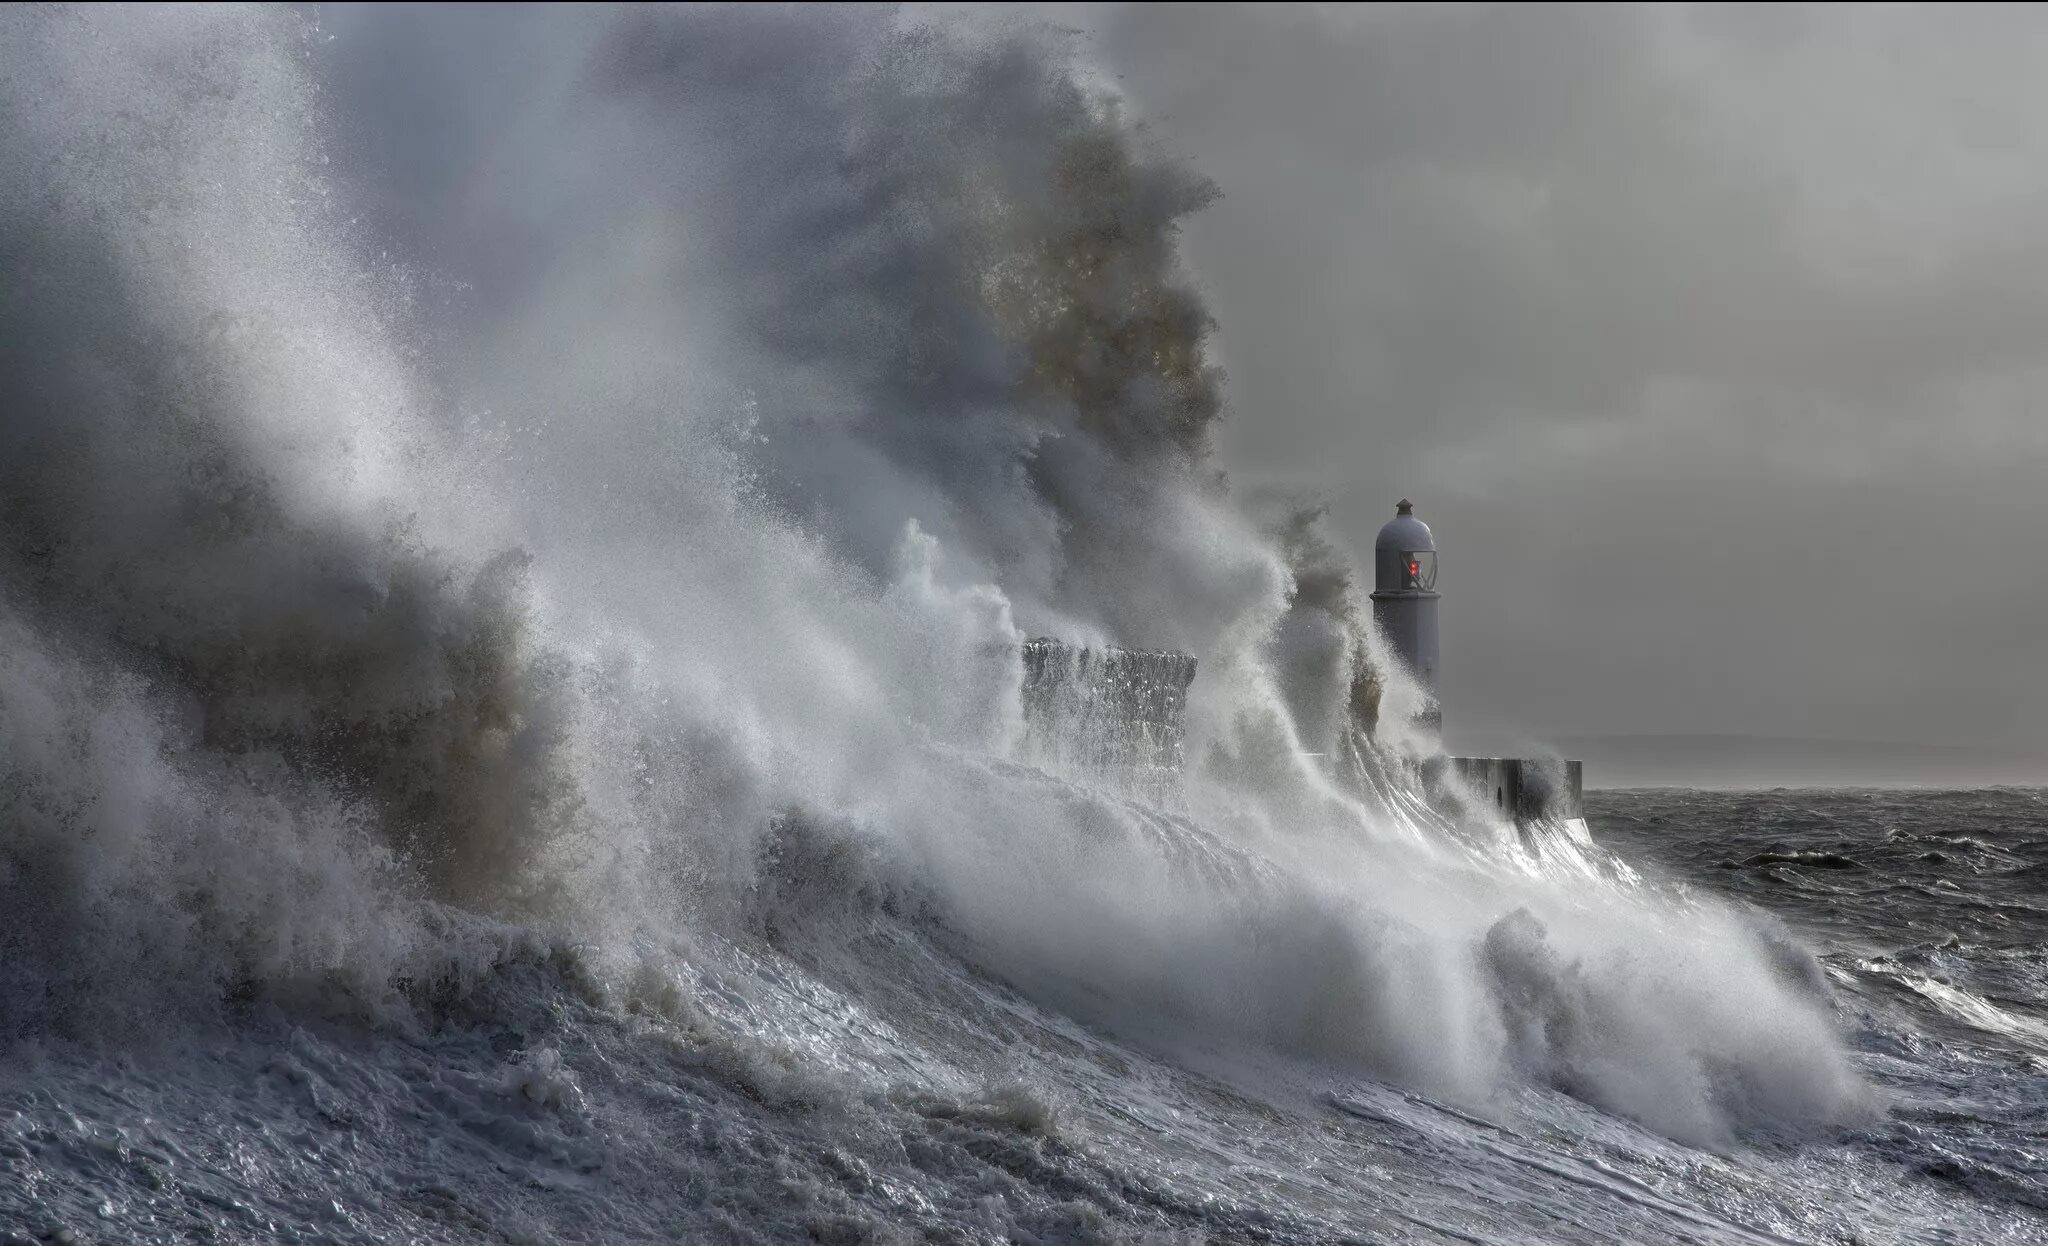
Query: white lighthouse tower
x: 1527, y: 791
x: 1404, y: 599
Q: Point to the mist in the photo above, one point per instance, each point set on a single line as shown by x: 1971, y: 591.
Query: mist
x: 590, y: 503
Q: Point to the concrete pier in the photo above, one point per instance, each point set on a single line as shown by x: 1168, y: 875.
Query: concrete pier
x: 1107, y: 709
x: 1521, y: 789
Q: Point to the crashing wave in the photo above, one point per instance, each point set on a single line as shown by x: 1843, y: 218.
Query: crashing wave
x: 358, y: 632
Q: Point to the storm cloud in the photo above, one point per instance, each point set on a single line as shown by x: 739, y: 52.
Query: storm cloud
x: 1711, y: 341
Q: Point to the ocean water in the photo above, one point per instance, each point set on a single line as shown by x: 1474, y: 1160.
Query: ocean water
x: 520, y: 534
x: 848, y: 1074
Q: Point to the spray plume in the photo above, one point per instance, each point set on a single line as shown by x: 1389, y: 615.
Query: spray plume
x: 649, y: 552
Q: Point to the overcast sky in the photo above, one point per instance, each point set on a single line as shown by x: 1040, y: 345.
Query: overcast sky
x: 1713, y: 344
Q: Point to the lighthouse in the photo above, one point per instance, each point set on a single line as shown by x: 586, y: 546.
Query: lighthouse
x: 1527, y: 791
x: 1404, y: 599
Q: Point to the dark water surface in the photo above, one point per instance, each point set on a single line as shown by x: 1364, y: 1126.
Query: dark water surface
x: 860, y: 1083
x: 1929, y: 912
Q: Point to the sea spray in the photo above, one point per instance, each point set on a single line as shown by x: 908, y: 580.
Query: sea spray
x: 807, y: 364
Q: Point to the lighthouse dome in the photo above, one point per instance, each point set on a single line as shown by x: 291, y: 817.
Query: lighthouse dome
x: 1404, y: 533
x: 1404, y: 557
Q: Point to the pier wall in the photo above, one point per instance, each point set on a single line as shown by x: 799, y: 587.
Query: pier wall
x: 1521, y: 789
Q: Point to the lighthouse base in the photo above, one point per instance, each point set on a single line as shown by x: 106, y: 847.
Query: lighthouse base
x: 1521, y: 790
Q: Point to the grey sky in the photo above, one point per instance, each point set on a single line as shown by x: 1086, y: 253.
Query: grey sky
x: 1713, y: 343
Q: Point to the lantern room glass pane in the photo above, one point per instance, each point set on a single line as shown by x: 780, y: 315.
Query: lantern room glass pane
x: 1418, y: 569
